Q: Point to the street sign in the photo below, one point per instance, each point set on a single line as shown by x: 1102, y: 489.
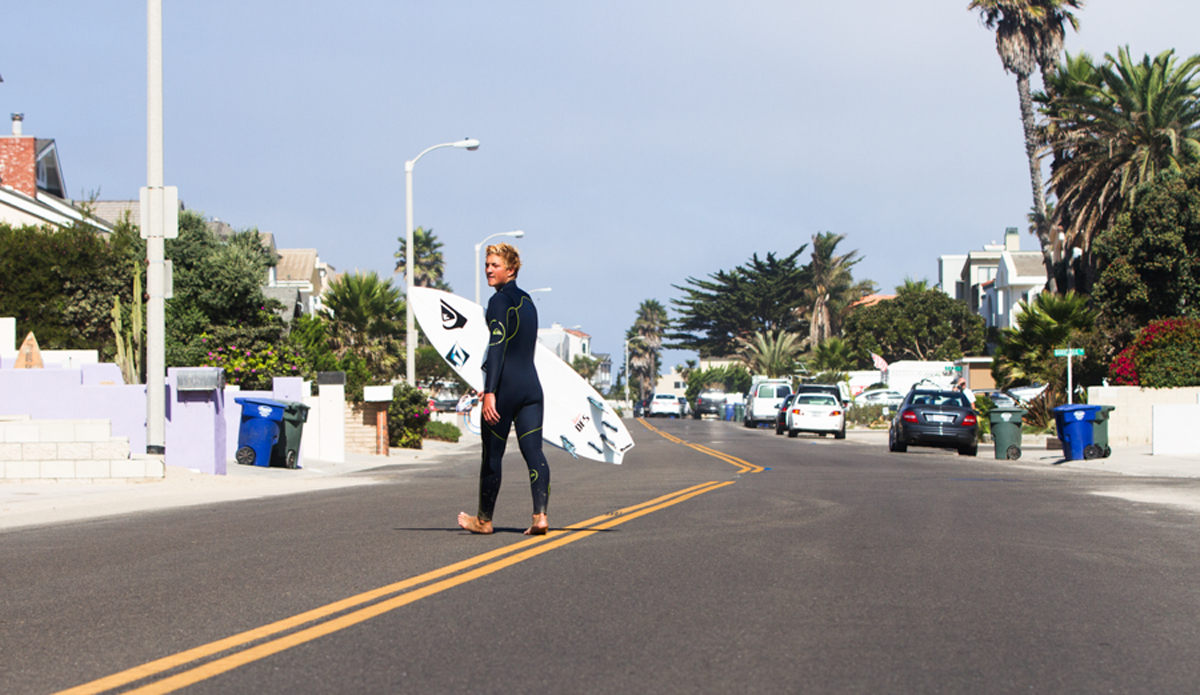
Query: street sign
x: 1069, y: 352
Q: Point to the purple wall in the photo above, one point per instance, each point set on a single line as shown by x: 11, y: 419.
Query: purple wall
x: 61, y: 394
x: 196, y: 429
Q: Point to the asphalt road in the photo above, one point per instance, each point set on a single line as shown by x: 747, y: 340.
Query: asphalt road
x: 784, y: 565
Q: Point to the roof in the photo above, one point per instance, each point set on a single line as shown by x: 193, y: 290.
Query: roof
x: 296, y: 265
x: 113, y: 211
x: 1029, y: 263
x: 577, y: 334
x: 48, y: 208
x: 873, y: 299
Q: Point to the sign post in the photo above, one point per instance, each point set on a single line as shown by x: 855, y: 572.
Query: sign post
x: 1069, y: 353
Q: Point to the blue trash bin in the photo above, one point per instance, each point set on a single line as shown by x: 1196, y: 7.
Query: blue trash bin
x: 1074, y: 424
x: 259, y: 430
x: 729, y: 412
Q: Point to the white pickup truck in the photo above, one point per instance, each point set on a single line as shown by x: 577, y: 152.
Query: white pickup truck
x: 762, y: 403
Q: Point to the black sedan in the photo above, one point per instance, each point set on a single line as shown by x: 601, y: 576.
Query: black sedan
x: 781, y: 416
x: 935, y: 418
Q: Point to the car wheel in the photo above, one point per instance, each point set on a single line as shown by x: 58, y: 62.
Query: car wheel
x: 696, y: 415
x: 793, y: 433
x: 840, y: 434
x: 896, y: 446
x: 748, y: 423
x: 822, y: 434
x: 968, y: 450
x: 778, y: 428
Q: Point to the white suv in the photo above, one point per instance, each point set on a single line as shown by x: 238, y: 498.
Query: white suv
x: 665, y: 405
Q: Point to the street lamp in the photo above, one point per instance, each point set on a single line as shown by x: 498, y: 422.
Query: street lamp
x: 517, y: 234
x: 410, y: 351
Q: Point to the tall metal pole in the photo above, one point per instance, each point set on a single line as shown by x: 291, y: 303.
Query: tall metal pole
x: 156, y: 308
x: 410, y: 347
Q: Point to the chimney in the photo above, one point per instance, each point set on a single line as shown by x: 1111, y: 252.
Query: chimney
x: 18, y: 159
x: 1012, y: 239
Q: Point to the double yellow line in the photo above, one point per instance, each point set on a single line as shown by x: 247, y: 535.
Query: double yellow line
x: 743, y: 466
x: 442, y: 579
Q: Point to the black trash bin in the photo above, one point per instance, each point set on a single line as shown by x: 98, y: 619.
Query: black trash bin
x: 286, y: 451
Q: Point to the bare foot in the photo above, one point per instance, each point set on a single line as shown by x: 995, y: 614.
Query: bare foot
x: 540, y: 526
x: 474, y: 525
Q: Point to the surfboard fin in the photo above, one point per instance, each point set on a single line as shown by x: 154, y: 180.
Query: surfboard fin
x: 599, y: 405
x: 608, y: 441
x: 569, y: 447
x: 610, y: 426
x: 597, y: 449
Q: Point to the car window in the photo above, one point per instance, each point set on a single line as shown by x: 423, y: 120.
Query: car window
x: 817, y: 399
x: 782, y: 391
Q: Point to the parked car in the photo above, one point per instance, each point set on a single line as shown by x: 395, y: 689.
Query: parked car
x: 781, y: 416
x: 639, y: 408
x: 879, y: 397
x: 831, y: 389
x: 664, y: 405
x: 710, y: 403
x: 762, y: 403
x: 685, y: 408
x: 816, y: 412
x: 929, y: 417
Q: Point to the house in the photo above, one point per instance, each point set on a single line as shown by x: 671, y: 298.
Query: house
x: 32, y: 191
x: 994, y: 280
x: 303, y: 271
x: 569, y: 343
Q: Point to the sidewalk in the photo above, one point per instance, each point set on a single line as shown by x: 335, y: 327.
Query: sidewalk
x: 1125, y: 460
x: 39, y: 503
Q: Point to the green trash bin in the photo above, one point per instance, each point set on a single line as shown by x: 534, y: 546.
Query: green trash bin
x: 286, y: 451
x: 1006, y: 432
x: 739, y: 411
x: 1100, y: 431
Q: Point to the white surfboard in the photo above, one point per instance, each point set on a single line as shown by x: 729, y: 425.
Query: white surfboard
x: 576, y: 420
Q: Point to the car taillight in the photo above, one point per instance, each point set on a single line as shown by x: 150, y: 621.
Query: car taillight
x: 909, y: 416
x: 835, y: 413
x: 969, y: 420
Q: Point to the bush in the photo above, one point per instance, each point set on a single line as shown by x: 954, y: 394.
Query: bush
x: 254, y: 367
x: 1165, y: 354
x: 442, y: 431
x: 408, y: 416
x: 868, y: 415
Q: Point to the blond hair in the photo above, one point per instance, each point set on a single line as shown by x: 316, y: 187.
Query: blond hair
x: 507, y: 253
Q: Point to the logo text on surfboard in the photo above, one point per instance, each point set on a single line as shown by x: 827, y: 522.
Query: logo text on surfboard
x: 451, y: 319
x: 457, y: 356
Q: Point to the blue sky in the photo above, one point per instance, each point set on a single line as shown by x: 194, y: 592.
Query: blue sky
x: 636, y: 143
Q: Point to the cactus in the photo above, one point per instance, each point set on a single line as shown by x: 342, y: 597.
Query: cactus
x: 129, y: 344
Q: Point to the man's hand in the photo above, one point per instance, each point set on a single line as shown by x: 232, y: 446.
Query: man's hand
x: 489, y: 409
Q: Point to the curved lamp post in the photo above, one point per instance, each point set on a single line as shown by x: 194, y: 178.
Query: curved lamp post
x: 410, y: 348
x: 518, y: 234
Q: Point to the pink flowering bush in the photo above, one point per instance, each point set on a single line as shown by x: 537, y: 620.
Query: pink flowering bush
x: 252, y: 368
x: 408, y: 416
x: 1165, y: 354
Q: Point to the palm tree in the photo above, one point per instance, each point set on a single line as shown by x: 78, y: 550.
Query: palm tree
x: 427, y: 256
x: 911, y: 285
x: 365, y: 314
x: 1029, y: 34
x: 645, y: 340
x: 772, y: 353
x: 1025, y: 354
x: 1114, y: 127
x: 833, y: 355
x: 831, y: 288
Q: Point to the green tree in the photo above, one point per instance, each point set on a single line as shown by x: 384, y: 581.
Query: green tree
x: 60, y: 283
x: 1029, y: 34
x: 911, y: 285
x: 925, y: 325
x: 1148, y: 258
x: 761, y: 295
x: 427, y: 257
x: 645, y: 340
x: 1025, y: 354
x: 218, y: 292
x: 833, y: 355
x: 831, y: 290
x: 1113, y: 128
x: 364, y: 316
x: 774, y: 354
x: 585, y: 367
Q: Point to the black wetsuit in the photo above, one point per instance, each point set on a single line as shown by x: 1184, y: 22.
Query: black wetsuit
x: 509, y: 374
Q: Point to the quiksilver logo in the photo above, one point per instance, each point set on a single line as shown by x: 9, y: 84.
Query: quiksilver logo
x: 451, y: 319
x: 457, y: 356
